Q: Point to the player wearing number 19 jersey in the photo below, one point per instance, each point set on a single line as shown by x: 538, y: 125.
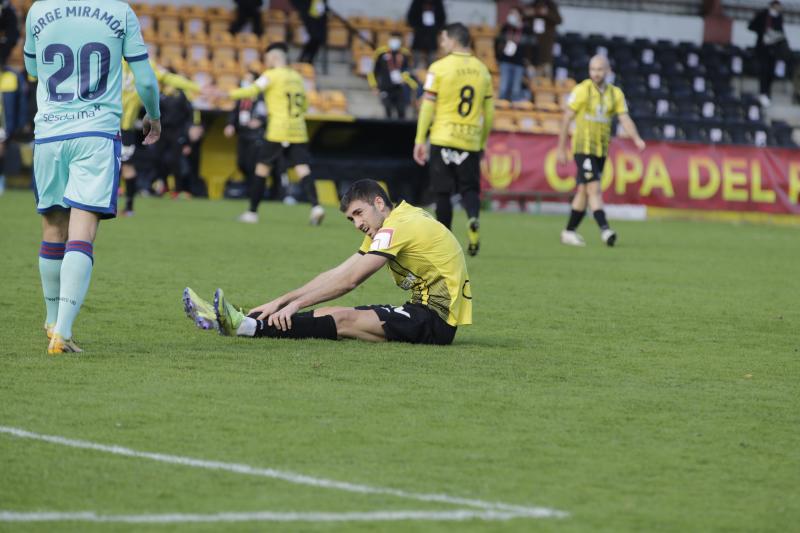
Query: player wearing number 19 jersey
x: 458, y: 100
x: 286, y: 135
x: 75, y: 48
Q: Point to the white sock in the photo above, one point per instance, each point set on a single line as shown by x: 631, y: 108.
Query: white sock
x: 247, y: 328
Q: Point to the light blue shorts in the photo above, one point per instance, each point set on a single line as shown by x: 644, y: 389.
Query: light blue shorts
x: 77, y: 171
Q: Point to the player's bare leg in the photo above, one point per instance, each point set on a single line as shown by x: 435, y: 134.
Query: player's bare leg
x: 355, y: 323
x: 256, y: 193
x: 595, y: 196
x: 569, y: 236
x: 307, y: 181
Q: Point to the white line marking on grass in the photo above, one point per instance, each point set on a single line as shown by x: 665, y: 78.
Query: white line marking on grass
x: 291, y: 477
x: 262, y: 516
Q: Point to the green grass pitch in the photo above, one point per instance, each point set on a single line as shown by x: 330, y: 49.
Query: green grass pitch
x: 648, y: 387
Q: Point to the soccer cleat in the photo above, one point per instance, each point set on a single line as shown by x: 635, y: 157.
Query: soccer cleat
x: 228, y: 317
x: 609, y: 236
x: 571, y: 238
x: 317, y: 214
x: 48, y: 330
x: 200, y: 311
x: 58, y: 345
x: 474, y: 238
x: 248, y: 217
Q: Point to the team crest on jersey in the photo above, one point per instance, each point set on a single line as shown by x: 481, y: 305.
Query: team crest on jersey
x: 382, y: 240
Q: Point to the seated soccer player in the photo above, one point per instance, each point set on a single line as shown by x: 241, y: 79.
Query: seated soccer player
x: 421, y: 254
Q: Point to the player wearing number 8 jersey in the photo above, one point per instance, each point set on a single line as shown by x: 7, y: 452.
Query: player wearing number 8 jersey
x: 75, y: 48
x: 458, y: 103
x: 286, y: 135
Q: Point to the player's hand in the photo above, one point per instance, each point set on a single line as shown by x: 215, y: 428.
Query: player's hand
x: 229, y: 130
x: 562, y: 156
x: 640, y: 144
x: 282, y: 320
x: 265, y: 310
x: 421, y: 154
x: 186, y: 150
x: 151, y: 129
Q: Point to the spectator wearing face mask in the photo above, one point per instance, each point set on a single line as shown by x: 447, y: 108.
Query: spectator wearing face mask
x: 246, y: 121
x: 771, y: 45
x: 391, y: 76
x: 427, y: 18
x: 508, y: 51
x: 539, y: 20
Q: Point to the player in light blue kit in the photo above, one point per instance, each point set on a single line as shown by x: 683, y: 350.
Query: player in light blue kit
x: 75, y: 48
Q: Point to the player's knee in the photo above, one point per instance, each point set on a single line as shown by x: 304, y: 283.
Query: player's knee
x: 345, y: 318
x: 302, y: 171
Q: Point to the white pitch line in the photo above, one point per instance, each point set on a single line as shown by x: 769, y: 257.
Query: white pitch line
x: 291, y: 477
x: 262, y: 516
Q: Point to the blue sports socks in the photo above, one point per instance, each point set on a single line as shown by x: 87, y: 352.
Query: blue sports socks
x: 76, y: 272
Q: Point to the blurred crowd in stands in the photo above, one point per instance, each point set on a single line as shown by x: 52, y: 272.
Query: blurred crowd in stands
x: 676, y: 90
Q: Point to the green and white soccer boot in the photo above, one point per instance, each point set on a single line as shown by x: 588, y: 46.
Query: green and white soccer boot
x: 200, y: 311
x: 228, y: 317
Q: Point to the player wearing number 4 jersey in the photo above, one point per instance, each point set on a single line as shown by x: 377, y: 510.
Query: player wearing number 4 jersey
x: 75, y: 48
x: 286, y: 134
x: 458, y: 101
x: 592, y: 103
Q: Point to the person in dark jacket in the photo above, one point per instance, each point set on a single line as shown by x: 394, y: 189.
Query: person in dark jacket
x: 9, y: 30
x: 540, y: 18
x: 510, y: 58
x: 169, y: 155
x: 248, y: 11
x: 13, y: 112
x: 314, y: 14
x: 426, y: 18
x: 771, y: 45
x: 391, y: 76
x: 246, y: 121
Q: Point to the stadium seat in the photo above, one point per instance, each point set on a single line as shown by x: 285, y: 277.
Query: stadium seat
x: 193, y: 18
x: 169, y: 36
x: 504, y: 121
x: 334, y: 102
x: 168, y: 24
x: 338, y: 35
x: 219, y: 13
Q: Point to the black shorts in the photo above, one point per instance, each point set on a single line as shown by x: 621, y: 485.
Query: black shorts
x: 415, y: 323
x: 454, y: 170
x: 590, y: 168
x: 130, y: 138
x: 293, y: 154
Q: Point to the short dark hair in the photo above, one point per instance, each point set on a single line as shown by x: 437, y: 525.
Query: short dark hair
x: 366, y: 191
x: 281, y: 46
x: 459, y: 32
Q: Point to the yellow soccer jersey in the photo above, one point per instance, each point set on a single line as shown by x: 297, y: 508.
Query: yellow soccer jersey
x: 285, y: 96
x: 425, y: 258
x: 131, y: 104
x: 593, y: 113
x: 460, y: 83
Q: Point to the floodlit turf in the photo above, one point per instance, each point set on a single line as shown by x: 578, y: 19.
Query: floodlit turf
x: 649, y: 387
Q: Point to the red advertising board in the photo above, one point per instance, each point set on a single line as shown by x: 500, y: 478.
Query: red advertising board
x: 671, y: 175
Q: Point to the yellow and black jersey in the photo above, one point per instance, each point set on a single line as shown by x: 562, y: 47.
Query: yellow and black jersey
x: 460, y: 83
x: 285, y: 96
x: 594, y: 110
x: 131, y: 104
x: 425, y: 258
